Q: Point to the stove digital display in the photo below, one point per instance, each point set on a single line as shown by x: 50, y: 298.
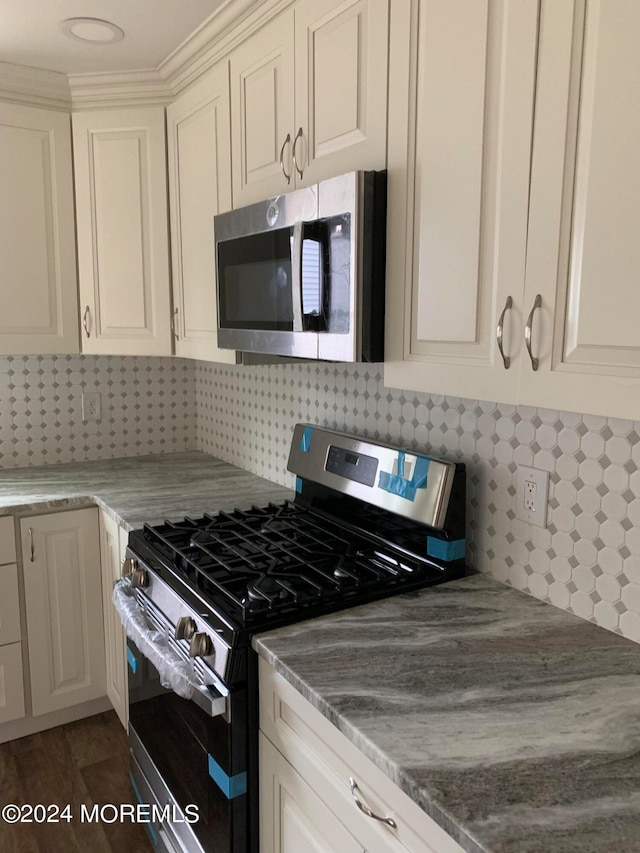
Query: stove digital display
x: 352, y: 466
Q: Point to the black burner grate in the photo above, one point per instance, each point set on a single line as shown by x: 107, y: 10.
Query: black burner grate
x: 281, y: 559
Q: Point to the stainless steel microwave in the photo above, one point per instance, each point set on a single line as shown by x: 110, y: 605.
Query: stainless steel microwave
x: 303, y: 274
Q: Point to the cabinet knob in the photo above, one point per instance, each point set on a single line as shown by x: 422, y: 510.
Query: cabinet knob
x: 201, y: 646
x: 186, y: 628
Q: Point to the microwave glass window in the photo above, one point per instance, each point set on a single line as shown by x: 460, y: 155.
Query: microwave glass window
x: 255, y: 281
x: 312, y: 277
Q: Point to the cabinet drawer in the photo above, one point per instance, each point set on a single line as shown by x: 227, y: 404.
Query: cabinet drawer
x: 7, y: 540
x: 11, y: 683
x: 326, y: 760
x: 9, y: 605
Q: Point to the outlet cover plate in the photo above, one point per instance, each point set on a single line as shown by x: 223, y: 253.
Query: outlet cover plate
x: 537, y: 516
x: 91, y: 408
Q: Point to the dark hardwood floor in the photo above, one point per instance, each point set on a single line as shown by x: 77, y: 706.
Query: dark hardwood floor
x: 82, y: 762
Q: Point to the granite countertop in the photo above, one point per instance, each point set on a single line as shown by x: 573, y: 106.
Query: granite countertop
x: 138, y: 489
x: 515, y: 725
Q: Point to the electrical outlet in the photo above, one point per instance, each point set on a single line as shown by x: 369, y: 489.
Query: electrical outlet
x: 532, y: 495
x: 91, y: 409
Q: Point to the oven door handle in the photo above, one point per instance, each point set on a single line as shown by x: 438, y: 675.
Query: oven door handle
x: 175, y: 673
x: 168, y: 842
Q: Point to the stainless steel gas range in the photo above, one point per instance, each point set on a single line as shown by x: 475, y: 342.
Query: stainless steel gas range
x: 368, y: 520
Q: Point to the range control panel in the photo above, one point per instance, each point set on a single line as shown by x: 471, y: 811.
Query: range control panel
x: 353, y: 466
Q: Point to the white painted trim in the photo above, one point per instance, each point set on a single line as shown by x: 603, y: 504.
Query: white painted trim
x: 117, y: 89
x: 228, y: 27
x: 225, y: 29
x: 34, y: 87
x: 31, y: 725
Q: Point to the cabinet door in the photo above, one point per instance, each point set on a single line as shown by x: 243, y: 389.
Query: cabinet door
x: 38, y: 295
x: 7, y: 540
x: 584, y: 253
x: 457, y: 219
x: 123, y: 247
x: 293, y: 818
x: 114, y: 636
x: 63, y: 599
x: 262, y: 103
x: 341, y: 52
x: 199, y: 150
x: 9, y: 605
x: 11, y: 683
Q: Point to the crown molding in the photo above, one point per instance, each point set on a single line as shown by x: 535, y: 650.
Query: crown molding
x: 119, y: 89
x: 229, y: 25
x: 225, y: 29
x: 34, y: 87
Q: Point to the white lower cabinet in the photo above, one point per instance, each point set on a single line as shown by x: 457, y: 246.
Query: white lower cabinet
x: 63, y: 599
x: 306, y: 797
x: 11, y: 676
x: 112, y: 537
x: 11, y: 683
x: 292, y: 816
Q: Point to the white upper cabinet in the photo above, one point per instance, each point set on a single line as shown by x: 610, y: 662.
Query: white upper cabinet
x: 38, y: 290
x: 341, y: 49
x: 459, y: 157
x: 262, y: 71
x: 123, y: 246
x: 309, y: 97
x: 497, y: 215
x: 199, y: 156
x: 584, y: 251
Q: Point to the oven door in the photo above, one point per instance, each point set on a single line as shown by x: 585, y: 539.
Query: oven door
x: 194, y: 764
x: 191, y: 753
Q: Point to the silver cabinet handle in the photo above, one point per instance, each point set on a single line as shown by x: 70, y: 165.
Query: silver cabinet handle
x: 284, y: 171
x: 527, y: 332
x: 32, y: 546
x: 500, y: 332
x: 85, y: 321
x: 365, y: 809
x: 174, y: 317
x: 295, y: 162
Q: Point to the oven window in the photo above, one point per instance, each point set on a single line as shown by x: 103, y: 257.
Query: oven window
x: 254, y: 275
x: 179, y: 737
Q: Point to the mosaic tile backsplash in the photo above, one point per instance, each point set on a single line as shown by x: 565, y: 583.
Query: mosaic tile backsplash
x: 148, y: 406
x: 586, y: 561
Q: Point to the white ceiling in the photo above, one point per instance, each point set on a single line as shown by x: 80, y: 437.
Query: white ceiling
x: 30, y: 32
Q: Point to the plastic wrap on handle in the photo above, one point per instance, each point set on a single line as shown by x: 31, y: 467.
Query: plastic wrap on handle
x: 175, y: 673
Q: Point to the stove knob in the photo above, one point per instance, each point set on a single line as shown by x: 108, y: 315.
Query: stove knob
x: 186, y: 628
x: 129, y: 565
x: 201, y: 646
x: 139, y: 578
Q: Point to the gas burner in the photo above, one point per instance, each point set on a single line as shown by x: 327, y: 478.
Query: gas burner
x: 265, y: 590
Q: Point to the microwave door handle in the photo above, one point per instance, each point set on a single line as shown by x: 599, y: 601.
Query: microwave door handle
x: 296, y: 276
